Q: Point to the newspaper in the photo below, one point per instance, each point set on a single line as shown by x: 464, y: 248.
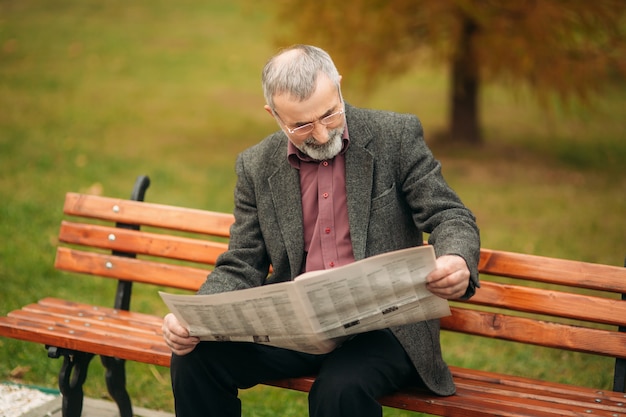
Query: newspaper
x: 318, y: 310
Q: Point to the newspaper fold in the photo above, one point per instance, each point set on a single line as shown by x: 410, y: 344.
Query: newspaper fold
x: 318, y: 310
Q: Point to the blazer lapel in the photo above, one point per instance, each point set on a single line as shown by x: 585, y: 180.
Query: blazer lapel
x: 284, y: 186
x: 359, y: 183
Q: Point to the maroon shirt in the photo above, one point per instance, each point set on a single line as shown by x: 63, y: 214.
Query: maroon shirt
x: 327, y: 242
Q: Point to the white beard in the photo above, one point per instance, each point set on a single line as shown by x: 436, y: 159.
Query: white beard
x: 326, y: 151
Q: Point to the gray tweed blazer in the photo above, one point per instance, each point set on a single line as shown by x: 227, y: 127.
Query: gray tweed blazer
x: 395, y: 194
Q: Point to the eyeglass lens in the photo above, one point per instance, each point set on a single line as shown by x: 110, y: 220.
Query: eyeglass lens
x: 308, y: 128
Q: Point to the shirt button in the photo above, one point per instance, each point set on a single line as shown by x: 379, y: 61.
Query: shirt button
x: 327, y: 230
x: 325, y: 163
x: 325, y: 195
x: 331, y: 264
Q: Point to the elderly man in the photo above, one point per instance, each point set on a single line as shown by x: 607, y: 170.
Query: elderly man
x: 336, y: 184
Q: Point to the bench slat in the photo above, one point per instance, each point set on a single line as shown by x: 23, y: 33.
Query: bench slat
x: 539, y: 395
x: 95, y: 317
x: 549, y: 302
x: 496, y: 400
x: 154, y: 244
x: 129, y: 269
x: 523, y: 383
x: 480, y: 393
x: 91, y: 310
x: 149, y: 214
x: 142, y: 350
x: 471, y: 400
x: 536, y: 332
x: 555, y: 271
x: 100, y: 330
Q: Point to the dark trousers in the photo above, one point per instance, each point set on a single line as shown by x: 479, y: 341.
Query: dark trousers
x: 350, y: 379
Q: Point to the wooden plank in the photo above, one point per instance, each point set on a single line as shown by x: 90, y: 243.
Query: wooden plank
x: 89, y: 310
x: 129, y: 269
x: 96, y: 317
x: 144, y: 351
x: 491, y: 394
x: 474, y: 402
x: 101, y: 322
x: 133, y: 241
x: 551, y: 270
x: 540, y: 396
x: 490, y: 385
x: 99, y: 331
x: 536, y: 332
x: 523, y: 383
x: 550, y: 302
x: 149, y: 214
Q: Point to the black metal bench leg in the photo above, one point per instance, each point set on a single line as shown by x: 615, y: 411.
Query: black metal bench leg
x: 72, y: 377
x: 116, y: 384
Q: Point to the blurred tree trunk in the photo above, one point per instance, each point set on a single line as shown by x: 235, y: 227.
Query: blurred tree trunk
x: 464, y: 88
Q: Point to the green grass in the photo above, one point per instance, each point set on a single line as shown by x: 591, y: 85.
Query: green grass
x: 93, y: 94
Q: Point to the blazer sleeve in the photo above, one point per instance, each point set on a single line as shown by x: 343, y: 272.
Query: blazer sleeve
x: 436, y: 207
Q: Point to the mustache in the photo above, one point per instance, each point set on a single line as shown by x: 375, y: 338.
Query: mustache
x: 314, y: 143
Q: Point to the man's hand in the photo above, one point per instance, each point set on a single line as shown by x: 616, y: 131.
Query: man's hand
x: 450, y: 277
x: 177, y: 337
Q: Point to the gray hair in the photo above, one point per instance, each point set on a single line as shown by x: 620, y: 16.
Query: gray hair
x: 294, y: 71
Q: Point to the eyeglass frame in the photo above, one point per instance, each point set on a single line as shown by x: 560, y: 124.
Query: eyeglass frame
x: 300, y: 130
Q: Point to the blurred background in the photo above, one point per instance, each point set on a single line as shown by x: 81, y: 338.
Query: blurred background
x: 524, y: 104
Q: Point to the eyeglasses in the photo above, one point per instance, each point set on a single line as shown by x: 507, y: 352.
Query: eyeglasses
x: 305, y: 129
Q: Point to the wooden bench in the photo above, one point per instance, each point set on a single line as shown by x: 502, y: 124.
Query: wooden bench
x: 534, y: 300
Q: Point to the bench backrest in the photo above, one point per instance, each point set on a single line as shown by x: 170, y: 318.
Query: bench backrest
x: 524, y: 298
x: 199, y: 250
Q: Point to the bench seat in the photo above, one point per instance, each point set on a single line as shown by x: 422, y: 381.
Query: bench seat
x: 137, y: 337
